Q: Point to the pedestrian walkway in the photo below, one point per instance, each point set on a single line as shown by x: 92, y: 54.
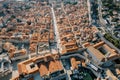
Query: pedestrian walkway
x: 56, y: 29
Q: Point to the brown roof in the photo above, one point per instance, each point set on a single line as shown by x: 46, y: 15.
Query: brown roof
x: 96, y: 53
x: 98, y: 44
x: 15, y: 78
x: 55, y: 66
x: 86, y: 44
x: 73, y: 63
x: 113, y: 54
x: 45, y: 67
x: 50, y: 67
x: 109, y: 49
x: 118, y: 71
x: 24, y: 67
x: 111, y: 75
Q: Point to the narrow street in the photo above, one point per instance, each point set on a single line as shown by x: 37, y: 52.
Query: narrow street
x: 89, y: 10
x: 57, y: 36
